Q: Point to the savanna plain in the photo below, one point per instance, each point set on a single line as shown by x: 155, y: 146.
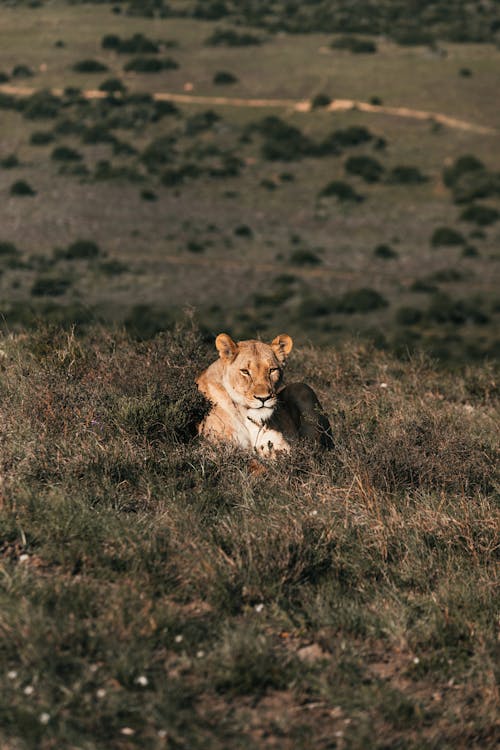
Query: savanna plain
x: 172, y: 170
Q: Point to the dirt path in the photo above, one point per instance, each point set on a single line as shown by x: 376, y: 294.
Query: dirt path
x: 337, y: 105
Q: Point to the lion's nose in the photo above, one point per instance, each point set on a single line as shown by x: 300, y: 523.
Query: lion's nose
x: 263, y: 398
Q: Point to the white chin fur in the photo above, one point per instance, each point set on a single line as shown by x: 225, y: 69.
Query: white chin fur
x: 261, y: 415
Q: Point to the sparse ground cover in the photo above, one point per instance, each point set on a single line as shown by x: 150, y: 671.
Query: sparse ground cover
x: 161, y: 188
x: 156, y: 594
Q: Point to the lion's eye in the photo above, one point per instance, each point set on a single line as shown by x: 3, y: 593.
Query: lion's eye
x: 244, y: 372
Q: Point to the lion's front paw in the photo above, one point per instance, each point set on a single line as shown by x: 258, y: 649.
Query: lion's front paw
x: 271, y: 443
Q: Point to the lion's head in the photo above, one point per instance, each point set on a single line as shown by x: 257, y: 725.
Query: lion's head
x: 252, y: 372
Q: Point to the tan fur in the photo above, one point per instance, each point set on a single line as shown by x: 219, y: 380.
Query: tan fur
x: 243, y: 387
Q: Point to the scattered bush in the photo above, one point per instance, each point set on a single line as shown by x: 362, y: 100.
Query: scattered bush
x: 42, y: 105
x: 22, y: 188
x: 445, y: 236
x: 481, y: 215
x: 404, y: 175
x: 110, y: 41
x: 366, y: 167
x: 408, y: 316
x: 354, y: 135
x: 320, y: 100
x: 342, y: 191
x: 385, y: 252
x: 138, y: 44
x: 201, y: 121
x: 302, y: 257
x: 66, y: 153
x: 148, y: 195
x: 41, y: 138
x: 113, y: 86
x: 161, y: 151
x: 223, y: 78
x: 82, y: 250
x: 231, y: 38
x: 243, y: 230
x: 361, y: 301
x: 8, y: 250
x: 461, y: 166
x: 4, y: 78
x: 50, y: 286
x: 22, y: 71
x: 10, y: 162
x: 355, y: 44
x: 150, y: 64
x: 89, y: 66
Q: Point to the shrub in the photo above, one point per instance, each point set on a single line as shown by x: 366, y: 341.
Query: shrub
x: 42, y: 105
x: 404, y: 175
x: 22, y: 71
x: 342, y: 191
x: 113, y: 86
x: 231, y: 38
x: 4, y: 78
x: 461, y: 166
x: 302, y: 257
x: 138, y: 44
x: 110, y: 41
x: 243, y: 230
x: 385, y: 251
x: 159, y: 152
x: 361, y: 301
x: 447, y: 237
x: 148, y: 195
x: 201, y: 121
x: 66, y: 153
x: 8, y: 250
x: 481, y: 215
x: 22, y: 188
x: 82, y: 250
x: 41, y: 138
x: 355, y: 135
x: 408, y: 316
x: 320, y: 100
x: 9, y: 162
x: 89, y: 66
x: 366, y: 167
x: 355, y: 44
x: 211, y: 11
x: 50, y: 286
x: 223, y: 77
x: 150, y: 64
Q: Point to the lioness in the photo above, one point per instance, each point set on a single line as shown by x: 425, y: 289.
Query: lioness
x: 251, y: 408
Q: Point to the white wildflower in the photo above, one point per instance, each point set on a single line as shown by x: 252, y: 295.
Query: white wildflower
x: 259, y: 607
x: 44, y: 718
x: 142, y: 680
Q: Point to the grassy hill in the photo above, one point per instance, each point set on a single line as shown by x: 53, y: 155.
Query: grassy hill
x: 260, y: 217
x: 155, y: 593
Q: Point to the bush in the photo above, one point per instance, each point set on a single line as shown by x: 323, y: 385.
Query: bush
x: 9, y: 162
x: 223, y: 77
x: 89, y: 66
x: 231, y: 38
x: 138, y: 44
x: 481, y: 215
x: 302, y: 257
x: 113, y: 86
x: 110, y: 41
x: 22, y: 188
x: 50, y: 286
x: 4, y: 78
x: 404, y: 175
x: 361, y: 301
x: 42, y: 105
x: 461, y: 166
x: 342, y: 191
x: 320, y: 100
x: 41, y: 138
x: 8, y: 250
x: 354, y: 44
x: 355, y: 135
x: 385, y: 251
x: 445, y: 236
x: 22, y: 71
x: 82, y: 250
x: 65, y: 153
x: 150, y: 65
x: 201, y: 121
x: 408, y: 316
x: 366, y: 167
x: 243, y: 230
x: 159, y: 152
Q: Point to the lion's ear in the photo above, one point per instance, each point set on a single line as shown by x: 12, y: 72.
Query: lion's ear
x: 282, y: 346
x: 226, y: 347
